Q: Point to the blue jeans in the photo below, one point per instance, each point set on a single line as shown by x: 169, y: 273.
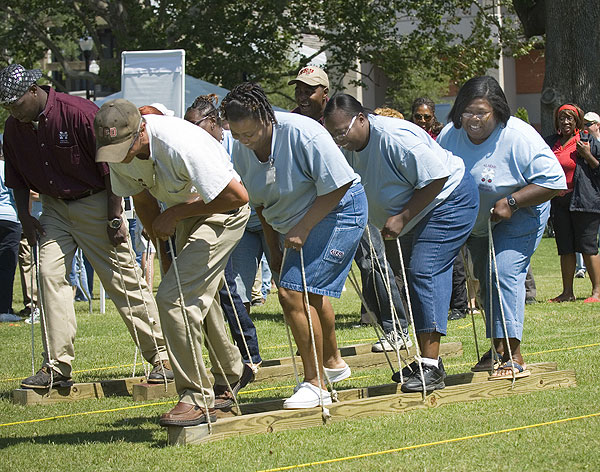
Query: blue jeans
x: 431, y: 248
x: 248, y: 330
x: 245, y: 260
x: 515, y: 241
x: 10, y: 236
x: 373, y: 279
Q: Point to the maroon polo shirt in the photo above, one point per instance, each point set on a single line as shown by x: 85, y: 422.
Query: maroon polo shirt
x: 57, y: 159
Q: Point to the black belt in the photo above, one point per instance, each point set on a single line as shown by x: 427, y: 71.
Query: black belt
x: 85, y: 194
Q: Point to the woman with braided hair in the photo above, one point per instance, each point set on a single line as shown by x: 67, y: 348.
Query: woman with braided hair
x: 310, y: 202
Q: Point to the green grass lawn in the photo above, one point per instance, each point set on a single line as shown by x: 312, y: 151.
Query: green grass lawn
x: 130, y: 438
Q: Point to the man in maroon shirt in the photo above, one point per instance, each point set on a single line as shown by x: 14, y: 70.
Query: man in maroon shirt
x: 50, y: 148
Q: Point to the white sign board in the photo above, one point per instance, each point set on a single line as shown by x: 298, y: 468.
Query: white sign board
x: 154, y: 76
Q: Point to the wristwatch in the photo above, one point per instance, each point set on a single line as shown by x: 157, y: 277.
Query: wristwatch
x: 512, y: 203
x: 115, y: 223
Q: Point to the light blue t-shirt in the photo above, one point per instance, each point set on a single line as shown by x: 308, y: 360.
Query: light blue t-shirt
x: 512, y: 157
x: 307, y: 164
x: 7, y: 202
x: 399, y: 158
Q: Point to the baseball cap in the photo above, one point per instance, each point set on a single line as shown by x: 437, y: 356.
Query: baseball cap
x: 311, y: 75
x: 115, y: 125
x: 15, y: 80
x: 591, y: 117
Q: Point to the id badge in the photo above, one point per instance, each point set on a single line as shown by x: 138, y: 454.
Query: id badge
x: 271, y: 174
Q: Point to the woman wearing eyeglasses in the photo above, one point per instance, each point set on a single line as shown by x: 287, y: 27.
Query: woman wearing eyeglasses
x: 576, y: 212
x: 307, y: 197
x: 423, y: 115
x: 420, y: 192
x: 517, y: 174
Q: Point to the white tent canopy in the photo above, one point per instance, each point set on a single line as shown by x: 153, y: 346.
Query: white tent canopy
x: 193, y: 88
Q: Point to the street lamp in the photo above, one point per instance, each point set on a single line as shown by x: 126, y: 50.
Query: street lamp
x: 95, y: 69
x: 86, y: 44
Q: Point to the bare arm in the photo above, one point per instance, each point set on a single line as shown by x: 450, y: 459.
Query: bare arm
x: 419, y: 200
x: 320, y: 208
x: 529, y: 195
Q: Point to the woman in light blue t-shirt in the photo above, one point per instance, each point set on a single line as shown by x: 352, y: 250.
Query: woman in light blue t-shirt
x: 517, y: 174
x: 420, y: 192
x: 308, y: 198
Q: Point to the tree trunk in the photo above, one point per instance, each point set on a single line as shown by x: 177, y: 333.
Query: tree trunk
x: 572, y: 57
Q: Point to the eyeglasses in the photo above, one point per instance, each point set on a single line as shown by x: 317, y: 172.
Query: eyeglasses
x: 197, y: 123
x: 419, y: 116
x: 342, y: 136
x: 479, y: 116
x: 587, y: 125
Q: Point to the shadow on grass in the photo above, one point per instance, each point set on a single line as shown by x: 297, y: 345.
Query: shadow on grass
x: 132, y: 430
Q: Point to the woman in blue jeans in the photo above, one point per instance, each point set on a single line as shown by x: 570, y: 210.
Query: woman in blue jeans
x: 308, y: 199
x: 517, y: 174
x: 420, y: 192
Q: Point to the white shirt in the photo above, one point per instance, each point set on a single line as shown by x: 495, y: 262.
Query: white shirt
x: 185, y: 161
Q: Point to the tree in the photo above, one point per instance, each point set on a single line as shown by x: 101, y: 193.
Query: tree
x: 572, y: 29
x: 227, y: 42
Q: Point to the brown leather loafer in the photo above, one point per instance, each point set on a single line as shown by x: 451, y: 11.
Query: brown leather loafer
x: 224, y: 398
x: 185, y: 414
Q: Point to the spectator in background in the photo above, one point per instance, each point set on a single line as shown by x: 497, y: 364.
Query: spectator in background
x: 591, y: 122
x: 423, y: 115
x: 576, y: 212
x: 10, y: 234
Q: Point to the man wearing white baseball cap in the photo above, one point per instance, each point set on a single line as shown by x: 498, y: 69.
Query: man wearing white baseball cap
x: 162, y: 158
x: 591, y: 121
x: 49, y: 147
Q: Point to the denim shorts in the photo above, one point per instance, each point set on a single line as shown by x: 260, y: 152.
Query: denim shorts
x: 329, y: 249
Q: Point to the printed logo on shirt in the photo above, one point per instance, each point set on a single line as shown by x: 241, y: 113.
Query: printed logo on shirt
x: 63, y: 137
x: 487, y: 175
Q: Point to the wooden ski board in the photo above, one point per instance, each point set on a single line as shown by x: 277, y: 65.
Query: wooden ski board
x: 359, y: 356
x: 380, y: 404
x: 79, y: 391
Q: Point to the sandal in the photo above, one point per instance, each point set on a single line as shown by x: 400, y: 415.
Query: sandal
x: 505, y: 371
x: 485, y: 364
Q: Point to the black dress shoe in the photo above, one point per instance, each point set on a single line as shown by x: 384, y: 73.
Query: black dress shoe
x: 456, y: 314
x: 434, y: 380
x: 224, y: 398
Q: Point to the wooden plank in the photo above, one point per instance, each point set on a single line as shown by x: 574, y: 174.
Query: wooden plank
x: 361, y: 359
x: 379, y: 405
x: 387, y: 389
x: 146, y: 391
x: 79, y: 391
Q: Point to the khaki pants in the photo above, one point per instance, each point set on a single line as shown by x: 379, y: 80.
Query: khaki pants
x: 204, y: 245
x: 82, y: 223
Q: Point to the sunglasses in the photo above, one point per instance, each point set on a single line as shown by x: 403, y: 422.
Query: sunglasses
x: 419, y: 116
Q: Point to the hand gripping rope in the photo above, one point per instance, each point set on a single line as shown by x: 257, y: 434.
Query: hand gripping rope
x: 412, y: 321
x: 494, y: 271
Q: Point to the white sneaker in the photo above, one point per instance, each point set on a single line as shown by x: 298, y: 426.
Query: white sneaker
x: 36, y: 317
x: 9, y: 317
x: 307, y: 396
x: 394, y: 340
x: 337, y: 375
x: 580, y: 274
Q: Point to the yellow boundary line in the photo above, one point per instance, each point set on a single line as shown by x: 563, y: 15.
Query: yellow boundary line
x: 434, y: 443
